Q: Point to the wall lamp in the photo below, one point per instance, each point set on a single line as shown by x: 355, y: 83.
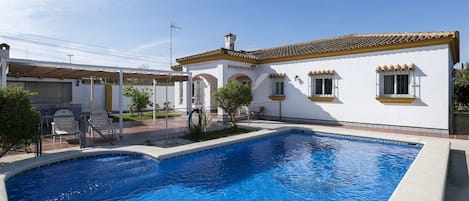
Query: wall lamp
x: 297, y: 77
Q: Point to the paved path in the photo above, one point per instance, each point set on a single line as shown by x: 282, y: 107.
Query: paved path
x: 457, y: 183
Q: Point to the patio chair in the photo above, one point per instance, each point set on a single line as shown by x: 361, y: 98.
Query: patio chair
x: 257, y: 114
x: 64, y: 123
x: 101, y: 122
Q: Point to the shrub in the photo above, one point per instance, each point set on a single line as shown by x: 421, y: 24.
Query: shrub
x: 461, y: 88
x: 232, y: 96
x: 139, y: 99
x: 20, y: 123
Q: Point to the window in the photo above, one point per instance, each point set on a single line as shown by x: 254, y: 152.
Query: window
x: 395, y: 83
x: 277, y: 87
x: 402, y: 84
x: 322, y: 85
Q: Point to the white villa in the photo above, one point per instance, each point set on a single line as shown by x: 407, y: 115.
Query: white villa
x: 389, y: 80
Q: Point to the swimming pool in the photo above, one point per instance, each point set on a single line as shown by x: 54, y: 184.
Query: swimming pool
x: 292, y: 166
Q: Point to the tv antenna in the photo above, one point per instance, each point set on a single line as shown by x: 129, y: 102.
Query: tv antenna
x: 172, y: 26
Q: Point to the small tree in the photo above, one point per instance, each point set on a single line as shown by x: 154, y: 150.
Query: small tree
x: 20, y: 123
x: 167, y: 106
x: 139, y: 99
x: 461, y: 88
x: 232, y: 96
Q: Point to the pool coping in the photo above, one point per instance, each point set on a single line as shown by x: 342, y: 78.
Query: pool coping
x: 424, y: 180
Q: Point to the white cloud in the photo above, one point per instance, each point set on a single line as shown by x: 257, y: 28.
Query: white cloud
x: 149, y: 45
x: 22, y: 18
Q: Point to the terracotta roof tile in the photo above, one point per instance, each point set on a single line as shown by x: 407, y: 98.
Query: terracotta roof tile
x: 219, y: 52
x: 341, y: 43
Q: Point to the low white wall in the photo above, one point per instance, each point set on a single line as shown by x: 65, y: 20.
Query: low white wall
x: 356, y: 89
x: 83, y: 95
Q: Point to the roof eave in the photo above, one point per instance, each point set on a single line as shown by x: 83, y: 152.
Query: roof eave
x: 216, y: 57
x: 454, y: 47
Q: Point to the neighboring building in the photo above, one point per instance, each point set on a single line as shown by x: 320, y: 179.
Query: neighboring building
x: 65, y: 85
x: 398, y: 80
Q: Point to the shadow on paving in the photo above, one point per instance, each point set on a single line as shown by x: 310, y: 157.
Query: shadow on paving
x: 457, y: 181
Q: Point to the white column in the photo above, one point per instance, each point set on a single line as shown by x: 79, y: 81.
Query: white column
x: 189, y: 93
x: 221, y: 80
x: 154, y: 100
x: 92, y: 95
x: 121, y: 102
x: 4, y: 72
x: 166, y: 101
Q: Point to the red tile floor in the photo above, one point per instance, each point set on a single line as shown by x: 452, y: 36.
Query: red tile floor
x: 142, y: 129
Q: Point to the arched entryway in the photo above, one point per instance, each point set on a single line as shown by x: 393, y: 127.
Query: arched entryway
x: 242, y: 78
x: 203, y: 88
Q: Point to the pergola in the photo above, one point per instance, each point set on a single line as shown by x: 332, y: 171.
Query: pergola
x: 12, y: 67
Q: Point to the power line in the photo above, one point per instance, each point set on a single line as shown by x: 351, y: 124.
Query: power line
x: 134, y: 57
x: 100, y: 48
x: 9, y: 32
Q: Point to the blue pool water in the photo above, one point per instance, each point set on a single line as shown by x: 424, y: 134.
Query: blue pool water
x: 293, y: 166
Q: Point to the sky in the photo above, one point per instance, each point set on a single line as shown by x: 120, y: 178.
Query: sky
x: 136, y: 33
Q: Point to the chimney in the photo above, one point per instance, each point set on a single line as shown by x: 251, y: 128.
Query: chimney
x: 230, y: 40
x: 4, y: 51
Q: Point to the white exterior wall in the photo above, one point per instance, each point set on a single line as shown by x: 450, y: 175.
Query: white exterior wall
x: 356, y: 89
x: 219, y: 73
x: 81, y: 94
x: 180, y: 106
x: 160, y: 96
x: 99, y: 94
x: 210, y: 73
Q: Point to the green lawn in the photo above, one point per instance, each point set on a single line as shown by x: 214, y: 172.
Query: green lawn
x: 217, y: 134
x: 135, y: 117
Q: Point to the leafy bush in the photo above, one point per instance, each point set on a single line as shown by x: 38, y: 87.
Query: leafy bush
x: 205, y: 121
x: 232, y: 96
x: 196, y: 132
x: 139, y: 99
x: 461, y: 88
x: 20, y: 123
x: 167, y: 106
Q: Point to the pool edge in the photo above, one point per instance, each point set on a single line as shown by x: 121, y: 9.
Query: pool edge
x: 423, y: 180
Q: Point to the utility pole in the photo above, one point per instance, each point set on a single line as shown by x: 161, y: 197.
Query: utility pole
x: 70, y: 57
